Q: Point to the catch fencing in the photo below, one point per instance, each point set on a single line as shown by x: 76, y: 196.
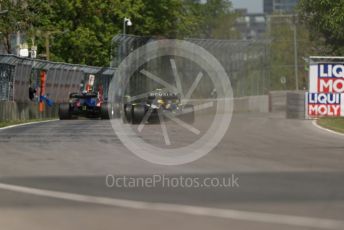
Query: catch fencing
x: 18, y: 74
x: 246, y: 62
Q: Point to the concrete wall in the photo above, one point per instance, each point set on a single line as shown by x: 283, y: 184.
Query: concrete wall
x: 291, y: 103
x: 278, y: 101
x: 10, y: 110
x: 241, y: 105
x: 295, y: 105
x: 252, y: 104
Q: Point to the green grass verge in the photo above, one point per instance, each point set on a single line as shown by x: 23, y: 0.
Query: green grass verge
x: 9, y: 123
x: 335, y: 124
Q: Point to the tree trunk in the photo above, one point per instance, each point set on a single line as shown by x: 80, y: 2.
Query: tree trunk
x: 7, y: 43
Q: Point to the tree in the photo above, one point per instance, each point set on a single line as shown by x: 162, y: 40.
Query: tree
x: 282, y: 60
x: 80, y: 31
x: 16, y: 19
x: 325, y: 19
x: 216, y: 19
x: 168, y: 18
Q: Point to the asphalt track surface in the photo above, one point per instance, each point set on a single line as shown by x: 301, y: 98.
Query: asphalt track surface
x: 286, y: 169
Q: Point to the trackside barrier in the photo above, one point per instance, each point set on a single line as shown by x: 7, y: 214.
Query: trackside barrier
x: 18, y: 74
x: 296, y: 105
x: 11, y: 110
x: 278, y: 101
x: 259, y: 104
x: 290, y: 103
x: 249, y: 104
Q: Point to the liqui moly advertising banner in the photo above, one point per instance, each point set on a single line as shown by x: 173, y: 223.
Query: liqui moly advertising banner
x: 326, y: 89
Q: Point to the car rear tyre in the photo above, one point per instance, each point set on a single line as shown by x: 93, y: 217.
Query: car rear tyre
x: 104, y: 112
x: 139, y: 112
x: 127, y: 113
x: 64, y: 112
x: 115, y: 111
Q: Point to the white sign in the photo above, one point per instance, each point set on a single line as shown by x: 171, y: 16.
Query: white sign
x: 91, y: 80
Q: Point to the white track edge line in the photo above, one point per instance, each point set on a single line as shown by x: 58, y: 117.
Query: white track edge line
x: 28, y: 123
x: 314, y: 122
x: 184, y: 209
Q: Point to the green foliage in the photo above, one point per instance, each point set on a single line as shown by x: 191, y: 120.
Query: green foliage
x: 80, y: 31
x: 282, y: 53
x: 325, y: 20
x: 333, y: 123
x: 18, y: 122
x: 166, y: 18
x: 215, y: 19
x: 16, y: 18
x: 320, y: 32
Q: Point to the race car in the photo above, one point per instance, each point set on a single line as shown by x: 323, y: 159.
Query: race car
x: 158, y: 102
x: 85, y: 104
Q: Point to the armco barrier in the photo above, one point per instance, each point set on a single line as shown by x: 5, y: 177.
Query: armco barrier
x: 10, y: 110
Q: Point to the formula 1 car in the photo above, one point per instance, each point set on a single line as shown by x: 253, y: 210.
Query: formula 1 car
x: 158, y: 102
x: 86, y: 104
